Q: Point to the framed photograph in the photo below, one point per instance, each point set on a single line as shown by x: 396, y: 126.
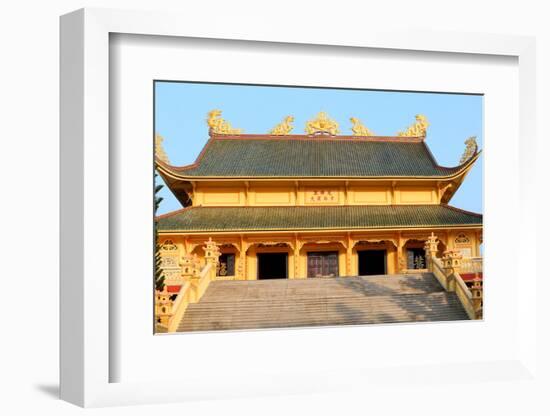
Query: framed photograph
x: 285, y: 213
x: 332, y: 224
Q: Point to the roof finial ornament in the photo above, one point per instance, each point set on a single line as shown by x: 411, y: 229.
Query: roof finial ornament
x: 322, y: 124
x: 359, y: 129
x: 417, y: 129
x: 160, y: 154
x: 219, y: 125
x: 283, y: 128
x: 471, y: 149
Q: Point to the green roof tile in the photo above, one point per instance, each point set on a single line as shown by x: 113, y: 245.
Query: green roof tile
x: 314, y: 157
x: 326, y: 217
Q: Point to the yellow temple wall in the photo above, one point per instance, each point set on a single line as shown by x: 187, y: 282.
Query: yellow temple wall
x: 346, y: 244
x: 466, y: 241
x: 287, y: 193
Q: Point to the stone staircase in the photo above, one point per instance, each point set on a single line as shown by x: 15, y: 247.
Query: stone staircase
x: 230, y: 305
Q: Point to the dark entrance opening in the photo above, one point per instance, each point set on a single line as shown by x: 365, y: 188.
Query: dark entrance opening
x: 272, y: 265
x: 372, y: 262
x: 322, y: 264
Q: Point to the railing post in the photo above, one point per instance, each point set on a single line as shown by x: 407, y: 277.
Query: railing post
x: 212, y: 256
x: 451, y: 265
x: 163, y: 307
x: 477, y: 296
x: 430, y: 248
x: 190, y: 271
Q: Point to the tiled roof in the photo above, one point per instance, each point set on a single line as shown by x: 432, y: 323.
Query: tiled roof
x: 316, y: 217
x: 306, y: 156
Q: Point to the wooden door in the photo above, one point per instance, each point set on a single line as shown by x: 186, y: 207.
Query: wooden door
x: 322, y: 264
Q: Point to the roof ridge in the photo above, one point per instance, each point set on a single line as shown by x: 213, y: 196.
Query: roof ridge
x: 386, y: 139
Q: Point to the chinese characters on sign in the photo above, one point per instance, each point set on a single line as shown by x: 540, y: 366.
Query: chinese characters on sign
x: 322, y: 196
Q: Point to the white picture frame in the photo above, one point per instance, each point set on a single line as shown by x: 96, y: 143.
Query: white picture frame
x: 86, y: 333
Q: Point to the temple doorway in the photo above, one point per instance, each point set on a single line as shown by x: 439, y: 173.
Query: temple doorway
x: 372, y: 262
x: 272, y: 265
x: 322, y: 264
x: 416, y: 258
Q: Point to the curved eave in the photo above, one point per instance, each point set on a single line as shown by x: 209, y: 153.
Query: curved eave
x: 175, y: 173
x: 457, y: 180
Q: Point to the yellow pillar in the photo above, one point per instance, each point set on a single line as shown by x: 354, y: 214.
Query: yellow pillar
x: 296, y: 255
x: 401, y: 262
x: 349, y: 256
x: 252, y: 264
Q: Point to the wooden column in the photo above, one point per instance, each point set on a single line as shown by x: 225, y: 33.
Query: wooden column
x: 349, y: 256
x: 297, y: 258
x: 399, y: 257
x: 242, y: 259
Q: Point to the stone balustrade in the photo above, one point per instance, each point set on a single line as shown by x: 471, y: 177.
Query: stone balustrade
x: 447, y: 271
x: 195, y: 278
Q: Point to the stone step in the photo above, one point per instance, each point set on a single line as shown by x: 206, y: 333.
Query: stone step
x: 275, y: 304
x: 232, y: 305
x: 328, y: 287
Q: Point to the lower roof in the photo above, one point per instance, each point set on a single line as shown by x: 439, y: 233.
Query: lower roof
x: 301, y: 218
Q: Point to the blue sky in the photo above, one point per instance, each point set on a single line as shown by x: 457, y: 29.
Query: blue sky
x: 181, y: 108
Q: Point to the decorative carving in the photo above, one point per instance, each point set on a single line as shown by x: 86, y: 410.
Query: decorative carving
x: 477, y: 296
x: 431, y: 247
x: 471, y: 149
x: 452, y: 260
x: 221, y: 270
x: 160, y: 154
x: 359, y: 129
x: 169, y: 263
x: 168, y: 245
x: 419, y: 262
x: 417, y: 129
x: 322, y: 124
x: 163, y: 307
x: 219, y: 125
x: 190, y: 266
x: 211, y: 252
x: 273, y: 244
x: 374, y: 239
x: 283, y: 128
x: 322, y: 240
x: 462, y: 239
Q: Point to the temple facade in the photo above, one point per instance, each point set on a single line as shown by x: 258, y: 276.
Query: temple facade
x: 319, y: 204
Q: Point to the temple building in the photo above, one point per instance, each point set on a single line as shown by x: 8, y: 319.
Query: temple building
x: 318, y: 204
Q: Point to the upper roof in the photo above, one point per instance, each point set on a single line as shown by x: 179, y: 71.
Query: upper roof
x: 295, y: 218
x: 299, y: 156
